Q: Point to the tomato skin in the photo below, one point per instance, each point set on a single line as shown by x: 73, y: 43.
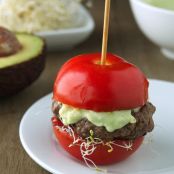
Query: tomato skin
x: 83, y: 83
x: 101, y: 156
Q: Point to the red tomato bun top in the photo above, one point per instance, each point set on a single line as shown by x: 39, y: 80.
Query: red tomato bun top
x: 83, y: 83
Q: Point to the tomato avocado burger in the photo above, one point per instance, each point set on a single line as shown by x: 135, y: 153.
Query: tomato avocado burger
x: 101, y: 112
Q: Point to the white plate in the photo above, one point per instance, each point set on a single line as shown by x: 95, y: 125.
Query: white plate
x: 68, y: 38
x: 156, y: 156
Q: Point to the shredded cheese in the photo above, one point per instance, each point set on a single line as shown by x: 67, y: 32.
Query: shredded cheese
x: 38, y: 15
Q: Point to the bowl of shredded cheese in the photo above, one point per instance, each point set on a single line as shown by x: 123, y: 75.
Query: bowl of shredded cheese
x: 62, y: 23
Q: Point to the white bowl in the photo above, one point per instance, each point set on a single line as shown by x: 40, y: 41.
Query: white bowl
x: 157, y: 24
x: 65, y: 39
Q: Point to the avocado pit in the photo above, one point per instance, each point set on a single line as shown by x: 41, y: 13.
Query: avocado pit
x: 8, y: 43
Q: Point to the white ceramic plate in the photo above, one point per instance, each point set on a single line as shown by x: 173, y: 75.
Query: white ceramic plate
x: 68, y: 38
x: 156, y: 156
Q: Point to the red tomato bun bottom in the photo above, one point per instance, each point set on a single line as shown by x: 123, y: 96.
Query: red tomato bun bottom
x: 103, y: 155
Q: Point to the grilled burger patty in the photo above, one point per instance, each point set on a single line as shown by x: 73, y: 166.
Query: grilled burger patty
x: 144, y: 123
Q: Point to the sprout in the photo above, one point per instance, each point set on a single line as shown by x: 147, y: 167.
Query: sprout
x: 89, y: 145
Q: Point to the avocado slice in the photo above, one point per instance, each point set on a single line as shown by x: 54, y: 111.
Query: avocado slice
x: 19, y: 70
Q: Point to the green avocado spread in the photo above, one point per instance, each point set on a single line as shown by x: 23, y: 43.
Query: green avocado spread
x: 166, y: 4
x: 110, y: 120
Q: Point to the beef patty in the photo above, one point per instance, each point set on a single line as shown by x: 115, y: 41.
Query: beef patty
x: 144, y: 123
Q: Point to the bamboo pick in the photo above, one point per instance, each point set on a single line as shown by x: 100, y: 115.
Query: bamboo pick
x: 105, y: 31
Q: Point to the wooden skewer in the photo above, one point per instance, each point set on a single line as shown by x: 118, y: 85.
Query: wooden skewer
x: 105, y: 31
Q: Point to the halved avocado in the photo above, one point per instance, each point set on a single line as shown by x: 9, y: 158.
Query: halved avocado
x: 19, y: 70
